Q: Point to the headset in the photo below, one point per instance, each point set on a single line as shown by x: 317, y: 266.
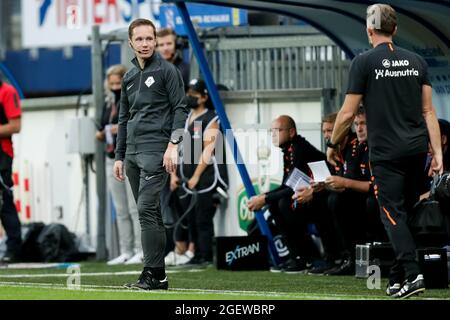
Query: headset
x: 134, y: 49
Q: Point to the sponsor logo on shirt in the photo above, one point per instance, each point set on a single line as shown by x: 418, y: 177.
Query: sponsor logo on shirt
x: 394, y: 63
x: 386, y: 73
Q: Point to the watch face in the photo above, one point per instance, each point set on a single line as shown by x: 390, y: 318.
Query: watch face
x: 176, y: 141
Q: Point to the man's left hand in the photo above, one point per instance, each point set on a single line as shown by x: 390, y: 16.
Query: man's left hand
x: 257, y: 202
x: 303, y: 195
x: 333, y: 156
x: 171, y: 158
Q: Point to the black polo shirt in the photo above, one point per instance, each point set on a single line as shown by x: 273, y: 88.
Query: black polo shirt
x: 391, y: 79
x: 349, y: 166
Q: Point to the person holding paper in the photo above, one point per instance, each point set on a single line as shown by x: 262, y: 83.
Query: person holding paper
x: 352, y: 200
x: 291, y: 216
x: 397, y: 94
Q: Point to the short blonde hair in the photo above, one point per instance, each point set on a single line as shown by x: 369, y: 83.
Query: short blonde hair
x: 382, y: 18
x: 116, y: 69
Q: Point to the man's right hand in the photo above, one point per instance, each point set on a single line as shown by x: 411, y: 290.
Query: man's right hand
x: 174, y: 181
x: 436, y: 166
x: 100, y: 135
x: 118, y: 170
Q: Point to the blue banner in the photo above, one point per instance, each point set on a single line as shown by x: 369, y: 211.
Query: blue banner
x: 203, y: 16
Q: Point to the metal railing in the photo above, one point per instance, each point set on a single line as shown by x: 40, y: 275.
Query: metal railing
x: 274, y: 63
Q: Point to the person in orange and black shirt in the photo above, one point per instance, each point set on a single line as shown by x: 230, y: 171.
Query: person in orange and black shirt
x: 373, y: 227
x: 354, y: 202
x: 10, y: 123
x: 292, y: 220
x: 346, y: 204
x: 393, y: 83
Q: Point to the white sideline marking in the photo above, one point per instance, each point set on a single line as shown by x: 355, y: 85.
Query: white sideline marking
x: 90, y: 274
x: 178, y: 291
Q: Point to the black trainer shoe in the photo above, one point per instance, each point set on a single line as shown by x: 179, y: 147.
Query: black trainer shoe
x: 322, y: 269
x: 393, y: 289
x: 9, y: 257
x: 409, y: 288
x: 297, y: 265
x: 346, y: 268
x: 147, y: 281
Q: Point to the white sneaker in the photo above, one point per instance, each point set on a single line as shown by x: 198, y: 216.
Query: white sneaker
x: 169, y: 259
x: 175, y: 259
x: 119, y: 260
x: 138, y: 258
x: 183, y: 258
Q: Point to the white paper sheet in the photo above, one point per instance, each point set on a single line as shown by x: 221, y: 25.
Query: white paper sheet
x: 319, y: 170
x: 297, y: 179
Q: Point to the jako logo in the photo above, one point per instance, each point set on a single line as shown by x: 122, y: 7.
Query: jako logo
x: 394, y: 63
x: 241, y: 252
x: 400, y: 63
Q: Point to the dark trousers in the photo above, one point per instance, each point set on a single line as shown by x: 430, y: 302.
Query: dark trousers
x: 328, y: 226
x: 375, y: 231
x: 147, y: 178
x: 201, y: 224
x: 398, y: 183
x: 292, y: 224
x: 349, y: 209
x: 9, y: 218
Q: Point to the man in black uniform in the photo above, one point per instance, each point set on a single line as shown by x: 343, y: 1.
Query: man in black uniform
x: 353, y: 202
x: 292, y: 219
x: 394, y: 85
x: 151, y: 122
x: 346, y: 203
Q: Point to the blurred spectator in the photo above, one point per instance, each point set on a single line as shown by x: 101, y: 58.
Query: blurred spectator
x: 10, y: 123
x: 169, y: 49
x: 328, y: 125
x: 199, y: 174
x: 122, y: 196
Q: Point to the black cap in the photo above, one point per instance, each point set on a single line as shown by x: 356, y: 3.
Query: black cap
x: 198, y: 85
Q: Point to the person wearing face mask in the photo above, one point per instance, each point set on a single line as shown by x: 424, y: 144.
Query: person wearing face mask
x: 201, y: 175
x: 122, y: 196
x: 166, y: 39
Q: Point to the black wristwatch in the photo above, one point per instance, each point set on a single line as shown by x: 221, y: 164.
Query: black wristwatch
x: 176, y: 141
x: 332, y: 145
